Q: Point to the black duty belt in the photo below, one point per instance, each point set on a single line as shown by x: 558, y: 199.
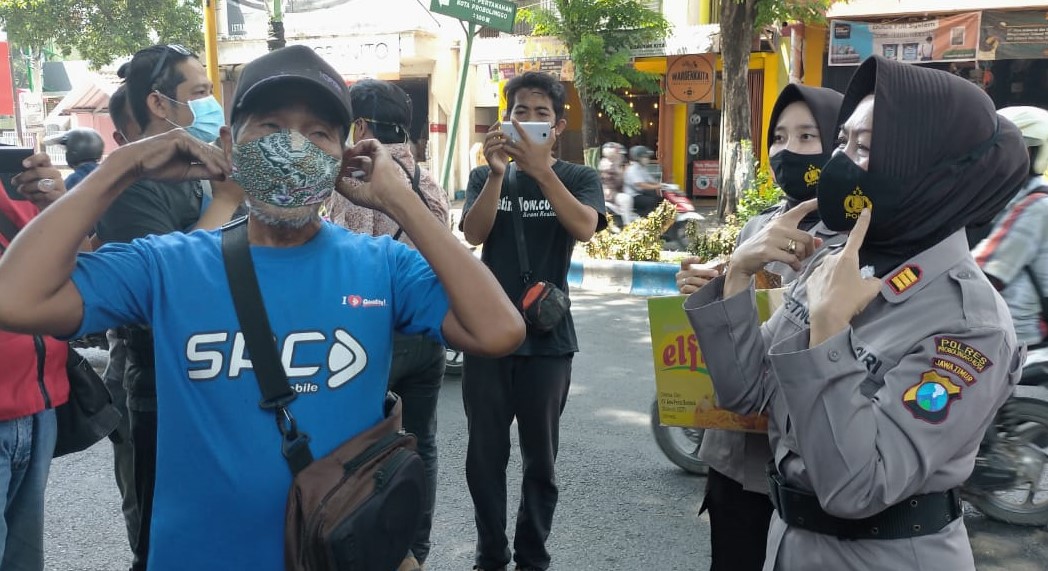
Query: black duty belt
x: 917, y: 515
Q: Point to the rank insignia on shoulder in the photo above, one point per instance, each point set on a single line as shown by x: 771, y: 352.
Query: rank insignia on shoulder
x: 930, y: 399
x: 904, y: 279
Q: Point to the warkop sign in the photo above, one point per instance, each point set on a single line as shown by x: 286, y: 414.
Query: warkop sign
x: 690, y: 79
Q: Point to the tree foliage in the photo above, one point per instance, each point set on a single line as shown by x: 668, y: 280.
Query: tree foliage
x: 101, y: 30
x: 740, y: 21
x: 599, y: 35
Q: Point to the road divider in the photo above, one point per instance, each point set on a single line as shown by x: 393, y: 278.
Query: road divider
x: 644, y: 279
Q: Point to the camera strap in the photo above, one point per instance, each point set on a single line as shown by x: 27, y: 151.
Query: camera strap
x: 518, y: 222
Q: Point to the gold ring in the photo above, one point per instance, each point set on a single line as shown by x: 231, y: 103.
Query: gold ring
x: 792, y: 246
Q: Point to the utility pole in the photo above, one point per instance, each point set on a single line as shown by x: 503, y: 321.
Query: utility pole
x: 276, y: 26
x: 211, y: 46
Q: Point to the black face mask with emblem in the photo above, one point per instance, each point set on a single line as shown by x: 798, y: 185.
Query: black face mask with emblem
x: 845, y: 189
x: 798, y: 175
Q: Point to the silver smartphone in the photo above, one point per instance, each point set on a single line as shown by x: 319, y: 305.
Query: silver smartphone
x: 537, y: 131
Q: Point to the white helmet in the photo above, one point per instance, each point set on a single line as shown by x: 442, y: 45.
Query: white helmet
x: 1033, y: 123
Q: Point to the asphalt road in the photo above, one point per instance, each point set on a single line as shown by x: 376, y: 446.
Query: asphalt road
x: 622, y: 505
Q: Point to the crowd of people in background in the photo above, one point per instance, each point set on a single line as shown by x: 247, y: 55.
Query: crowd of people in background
x: 869, y: 438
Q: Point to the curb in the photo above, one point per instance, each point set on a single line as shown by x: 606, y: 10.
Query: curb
x: 645, y: 279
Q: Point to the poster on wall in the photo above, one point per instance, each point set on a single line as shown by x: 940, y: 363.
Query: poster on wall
x: 947, y: 38
x: 1021, y: 34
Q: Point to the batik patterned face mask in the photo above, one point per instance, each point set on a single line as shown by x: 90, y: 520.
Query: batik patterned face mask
x: 285, y: 169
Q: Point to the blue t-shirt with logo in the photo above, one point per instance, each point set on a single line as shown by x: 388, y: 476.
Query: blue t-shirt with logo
x: 333, y: 304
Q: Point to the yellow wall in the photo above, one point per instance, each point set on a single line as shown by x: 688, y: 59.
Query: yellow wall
x: 775, y: 79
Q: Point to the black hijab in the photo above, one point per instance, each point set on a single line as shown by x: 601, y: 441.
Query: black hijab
x: 947, y: 161
x: 825, y: 105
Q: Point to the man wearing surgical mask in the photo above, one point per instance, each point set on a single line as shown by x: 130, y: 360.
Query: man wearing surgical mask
x: 167, y: 88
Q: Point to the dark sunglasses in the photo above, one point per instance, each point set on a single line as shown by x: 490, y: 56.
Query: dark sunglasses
x: 159, y: 67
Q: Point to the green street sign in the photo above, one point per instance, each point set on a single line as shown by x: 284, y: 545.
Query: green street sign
x: 498, y: 14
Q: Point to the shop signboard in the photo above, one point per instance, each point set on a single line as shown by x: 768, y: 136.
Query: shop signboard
x: 1021, y: 34
x: 497, y: 14
x: 682, y: 382
x: 705, y: 176
x: 945, y: 38
x: 690, y: 78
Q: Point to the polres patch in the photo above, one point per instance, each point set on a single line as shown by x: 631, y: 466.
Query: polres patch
x: 930, y: 399
x: 963, y: 351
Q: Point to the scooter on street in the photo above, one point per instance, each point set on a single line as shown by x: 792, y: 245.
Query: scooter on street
x: 1010, y: 481
x: 675, y: 236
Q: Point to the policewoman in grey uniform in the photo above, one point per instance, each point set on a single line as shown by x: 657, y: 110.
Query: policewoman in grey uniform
x: 802, y: 132
x: 892, y: 352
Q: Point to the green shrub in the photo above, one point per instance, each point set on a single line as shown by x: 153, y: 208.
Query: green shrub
x: 639, y: 241
x: 719, y: 242
x: 761, y: 195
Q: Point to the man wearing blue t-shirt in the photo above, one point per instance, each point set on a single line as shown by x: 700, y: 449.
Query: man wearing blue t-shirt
x: 333, y: 299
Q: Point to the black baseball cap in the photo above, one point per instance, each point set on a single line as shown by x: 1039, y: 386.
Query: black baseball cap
x: 292, y: 64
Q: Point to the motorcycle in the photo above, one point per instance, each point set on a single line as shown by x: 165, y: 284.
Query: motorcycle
x: 676, y: 236
x: 679, y: 445
x: 1009, y: 483
x: 452, y: 363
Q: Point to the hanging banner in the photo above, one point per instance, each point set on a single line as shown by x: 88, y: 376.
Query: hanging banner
x: 947, y: 38
x: 1014, y: 35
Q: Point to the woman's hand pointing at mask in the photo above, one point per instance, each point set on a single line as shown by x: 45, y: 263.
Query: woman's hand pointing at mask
x: 837, y: 292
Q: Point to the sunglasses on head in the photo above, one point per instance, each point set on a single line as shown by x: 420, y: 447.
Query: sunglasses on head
x: 159, y: 67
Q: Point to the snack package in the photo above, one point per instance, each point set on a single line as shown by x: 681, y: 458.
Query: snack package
x: 683, y: 385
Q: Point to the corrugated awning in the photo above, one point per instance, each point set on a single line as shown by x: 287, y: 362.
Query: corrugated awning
x: 91, y: 96
x: 888, y: 8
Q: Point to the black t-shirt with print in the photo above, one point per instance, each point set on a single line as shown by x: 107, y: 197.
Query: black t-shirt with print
x: 549, y: 244
x: 147, y: 208
x: 151, y: 207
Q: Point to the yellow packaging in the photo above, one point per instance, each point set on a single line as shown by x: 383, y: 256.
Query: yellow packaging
x: 682, y: 383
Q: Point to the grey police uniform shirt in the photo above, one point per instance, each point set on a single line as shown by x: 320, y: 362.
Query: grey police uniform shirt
x: 895, y: 405
x: 743, y: 456
x: 1019, y: 240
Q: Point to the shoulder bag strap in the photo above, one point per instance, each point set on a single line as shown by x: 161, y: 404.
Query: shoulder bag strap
x: 518, y: 223
x: 277, y: 394
x: 414, y: 186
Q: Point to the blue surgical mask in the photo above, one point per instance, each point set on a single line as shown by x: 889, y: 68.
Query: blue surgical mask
x: 208, y: 118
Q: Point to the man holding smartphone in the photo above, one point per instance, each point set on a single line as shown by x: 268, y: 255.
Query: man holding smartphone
x: 559, y: 203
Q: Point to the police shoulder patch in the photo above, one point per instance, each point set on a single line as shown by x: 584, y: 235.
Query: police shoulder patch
x: 930, y: 399
x: 949, y: 346
x: 957, y: 370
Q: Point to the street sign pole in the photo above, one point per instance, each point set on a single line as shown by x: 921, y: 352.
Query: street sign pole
x: 471, y: 32
x: 497, y: 14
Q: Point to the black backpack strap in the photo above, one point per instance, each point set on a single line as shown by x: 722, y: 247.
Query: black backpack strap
x: 518, y: 223
x: 415, y: 179
x: 277, y: 393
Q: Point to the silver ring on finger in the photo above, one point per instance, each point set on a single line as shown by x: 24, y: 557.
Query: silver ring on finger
x: 792, y: 246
